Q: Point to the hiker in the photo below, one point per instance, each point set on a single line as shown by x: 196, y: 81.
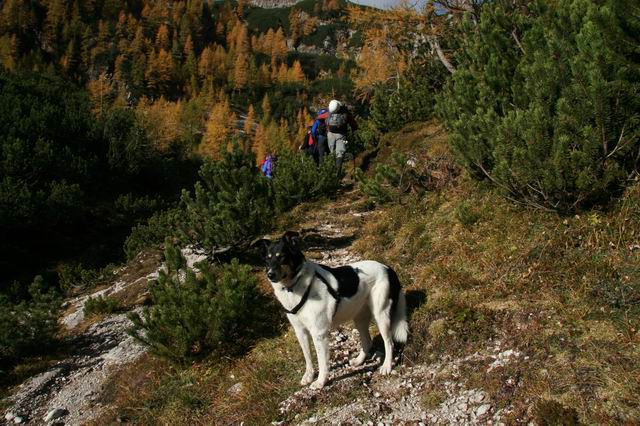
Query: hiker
x: 319, y: 132
x: 267, y: 166
x: 340, y: 118
x: 309, y: 145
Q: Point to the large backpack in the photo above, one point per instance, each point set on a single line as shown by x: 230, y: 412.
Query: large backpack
x: 337, y: 122
x: 322, y: 127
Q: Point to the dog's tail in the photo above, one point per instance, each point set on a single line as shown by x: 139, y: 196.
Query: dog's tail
x: 399, y: 324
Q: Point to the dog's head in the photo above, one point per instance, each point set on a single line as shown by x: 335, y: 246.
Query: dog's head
x: 283, y: 258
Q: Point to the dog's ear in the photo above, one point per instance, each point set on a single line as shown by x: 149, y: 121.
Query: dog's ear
x: 261, y: 245
x: 292, y: 238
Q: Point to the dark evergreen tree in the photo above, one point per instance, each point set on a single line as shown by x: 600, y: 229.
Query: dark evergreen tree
x: 297, y: 179
x: 545, y: 100
x: 28, y: 327
x: 231, y: 206
x: 410, y: 99
x: 194, y: 314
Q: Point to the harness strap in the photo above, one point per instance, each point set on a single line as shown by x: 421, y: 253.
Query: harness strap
x: 331, y: 291
x: 300, y: 304
x: 305, y: 296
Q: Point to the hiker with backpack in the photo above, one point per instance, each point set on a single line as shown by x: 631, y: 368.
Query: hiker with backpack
x: 309, y: 145
x: 266, y: 167
x: 338, y: 123
x: 319, y: 133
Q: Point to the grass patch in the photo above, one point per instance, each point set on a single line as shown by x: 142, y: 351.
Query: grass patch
x: 155, y: 391
x: 563, y: 291
x: 100, y: 305
x: 432, y: 399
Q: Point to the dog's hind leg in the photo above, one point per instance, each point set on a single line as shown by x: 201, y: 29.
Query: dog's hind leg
x: 362, y: 321
x: 303, y: 338
x: 381, y: 305
x: 321, y: 343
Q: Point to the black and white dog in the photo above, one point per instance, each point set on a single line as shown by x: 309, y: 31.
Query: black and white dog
x: 317, y: 298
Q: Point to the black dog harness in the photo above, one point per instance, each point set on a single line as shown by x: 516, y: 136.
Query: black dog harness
x: 305, y: 296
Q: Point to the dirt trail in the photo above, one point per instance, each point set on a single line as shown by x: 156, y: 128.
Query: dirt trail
x: 360, y: 395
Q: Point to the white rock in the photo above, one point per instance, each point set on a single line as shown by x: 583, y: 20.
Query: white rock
x: 235, y: 389
x: 477, y: 398
x: 17, y: 420
x: 483, y: 409
x: 56, y: 413
x: 9, y: 416
x: 313, y: 419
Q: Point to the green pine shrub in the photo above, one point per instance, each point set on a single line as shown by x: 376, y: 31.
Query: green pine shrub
x: 100, y: 305
x: 467, y: 214
x: 389, y: 181
x: 195, y: 314
x: 297, y: 179
x: 411, y: 99
x: 230, y: 206
x: 28, y: 327
x: 544, y: 102
x: 153, y: 233
x: 75, y: 275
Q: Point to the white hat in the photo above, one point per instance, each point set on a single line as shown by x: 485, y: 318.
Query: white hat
x: 333, y: 106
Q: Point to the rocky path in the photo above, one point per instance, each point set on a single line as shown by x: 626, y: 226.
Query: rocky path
x: 413, y: 394
x: 68, y: 392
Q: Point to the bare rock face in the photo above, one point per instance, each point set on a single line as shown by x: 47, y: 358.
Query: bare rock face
x: 273, y: 4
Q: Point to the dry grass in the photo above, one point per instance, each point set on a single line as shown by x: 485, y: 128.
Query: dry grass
x: 565, y: 291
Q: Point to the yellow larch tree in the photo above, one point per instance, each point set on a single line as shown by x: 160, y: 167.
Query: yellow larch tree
x: 206, y: 64
x: 297, y: 75
x: 279, y: 46
x: 294, y: 24
x: 266, y: 108
x: 219, y: 130
x: 241, y: 72
x: 267, y: 41
x: 101, y: 92
x: 283, y: 73
x: 259, y: 144
x: 162, y: 38
x: 249, y: 122
x: 242, y: 42
x: 161, y: 120
x: 310, y: 25
x: 264, y: 76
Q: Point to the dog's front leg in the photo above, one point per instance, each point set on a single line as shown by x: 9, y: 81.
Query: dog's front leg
x: 303, y: 339
x: 321, y: 343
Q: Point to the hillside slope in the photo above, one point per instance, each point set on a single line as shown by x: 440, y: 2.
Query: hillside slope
x: 516, y: 316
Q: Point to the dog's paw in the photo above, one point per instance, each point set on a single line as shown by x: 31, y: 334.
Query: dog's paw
x: 359, y: 360
x: 385, y: 369
x: 306, y: 379
x: 318, y: 384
